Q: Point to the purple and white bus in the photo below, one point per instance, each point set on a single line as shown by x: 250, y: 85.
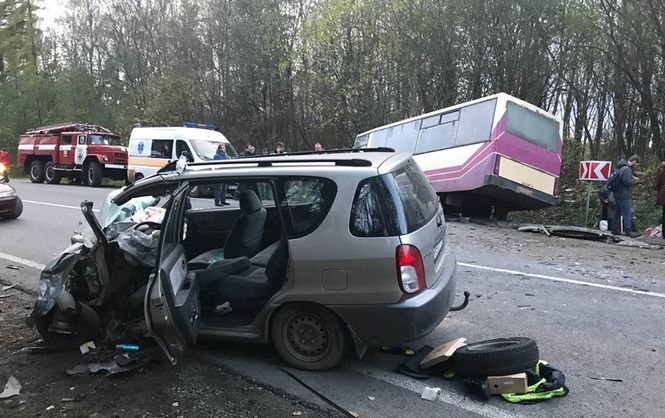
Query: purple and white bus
x: 487, y: 156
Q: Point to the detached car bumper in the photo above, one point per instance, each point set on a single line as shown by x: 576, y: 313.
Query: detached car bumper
x: 411, y: 319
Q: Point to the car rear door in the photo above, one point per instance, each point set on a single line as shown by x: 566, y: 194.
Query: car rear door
x: 172, y: 305
x: 422, y: 217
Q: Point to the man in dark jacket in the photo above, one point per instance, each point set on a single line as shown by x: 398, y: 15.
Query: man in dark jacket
x: 660, y: 196
x: 624, y: 196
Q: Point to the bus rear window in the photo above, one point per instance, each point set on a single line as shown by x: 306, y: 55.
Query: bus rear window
x: 532, y: 126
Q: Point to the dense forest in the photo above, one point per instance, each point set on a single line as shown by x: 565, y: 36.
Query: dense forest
x: 307, y: 71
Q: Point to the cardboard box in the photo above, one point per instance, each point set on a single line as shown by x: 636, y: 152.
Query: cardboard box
x: 442, y: 353
x: 512, y: 383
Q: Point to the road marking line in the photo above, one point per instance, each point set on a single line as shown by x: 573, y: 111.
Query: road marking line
x: 448, y: 397
x: 23, y: 261
x: 55, y: 204
x: 562, y: 280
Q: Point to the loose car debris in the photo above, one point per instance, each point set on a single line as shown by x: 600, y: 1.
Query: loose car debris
x: 567, y: 231
x: 430, y: 394
x: 13, y: 267
x: 608, y: 379
x: 12, y: 388
x: 6, y: 288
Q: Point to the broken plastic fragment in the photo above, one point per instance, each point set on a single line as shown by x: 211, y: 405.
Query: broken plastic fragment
x: 12, y: 388
x: 86, y: 347
x: 430, y: 394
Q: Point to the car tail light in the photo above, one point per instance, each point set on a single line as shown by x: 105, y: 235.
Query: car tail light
x: 410, y: 269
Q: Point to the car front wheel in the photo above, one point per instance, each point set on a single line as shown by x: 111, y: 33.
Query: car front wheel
x: 308, y: 336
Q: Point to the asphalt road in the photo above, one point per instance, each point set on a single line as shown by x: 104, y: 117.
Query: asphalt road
x: 596, y: 311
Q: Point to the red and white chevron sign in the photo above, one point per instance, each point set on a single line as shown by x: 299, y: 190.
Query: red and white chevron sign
x: 595, y: 170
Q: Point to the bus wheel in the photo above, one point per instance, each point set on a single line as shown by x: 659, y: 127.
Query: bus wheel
x: 37, y: 171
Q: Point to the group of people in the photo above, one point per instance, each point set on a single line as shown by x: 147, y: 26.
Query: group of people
x: 616, y: 197
x: 248, y: 151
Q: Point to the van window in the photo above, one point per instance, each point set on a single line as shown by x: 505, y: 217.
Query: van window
x: 180, y: 147
x: 205, y: 149
x: 306, y: 202
x: 162, y: 148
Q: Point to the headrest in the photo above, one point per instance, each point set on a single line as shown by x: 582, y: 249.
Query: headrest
x: 249, y: 202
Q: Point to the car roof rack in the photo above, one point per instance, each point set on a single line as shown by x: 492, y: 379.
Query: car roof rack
x: 354, y: 162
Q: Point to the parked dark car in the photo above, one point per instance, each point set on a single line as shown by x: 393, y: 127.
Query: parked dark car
x: 11, y: 205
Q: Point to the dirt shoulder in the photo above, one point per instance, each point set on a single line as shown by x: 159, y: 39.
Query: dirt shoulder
x: 192, y: 388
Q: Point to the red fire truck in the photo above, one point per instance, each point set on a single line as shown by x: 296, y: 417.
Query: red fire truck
x: 83, y: 153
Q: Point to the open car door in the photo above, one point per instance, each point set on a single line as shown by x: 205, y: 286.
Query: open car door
x: 172, y: 305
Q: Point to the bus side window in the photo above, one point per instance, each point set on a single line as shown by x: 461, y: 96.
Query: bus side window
x: 438, y: 137
x: 475, y: 124
x: 402, y: 138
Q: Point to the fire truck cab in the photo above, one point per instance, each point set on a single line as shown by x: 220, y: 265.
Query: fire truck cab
x: 81, y: 152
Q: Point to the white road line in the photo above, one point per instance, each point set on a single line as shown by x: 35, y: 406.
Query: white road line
x: 562, y: 280
x: 55, y: 204
x: 23, y: 261
x: 450, y: 398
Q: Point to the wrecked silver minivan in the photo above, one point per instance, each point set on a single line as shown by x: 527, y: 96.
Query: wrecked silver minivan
x: 322, y: 252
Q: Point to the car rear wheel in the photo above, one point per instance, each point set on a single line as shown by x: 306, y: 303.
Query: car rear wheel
x: 93, y: 174
x: 52, y: 176
x: 308, y: 336
x: 37, y: 171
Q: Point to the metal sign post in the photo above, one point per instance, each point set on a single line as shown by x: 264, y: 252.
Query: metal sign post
x: 593, y: 171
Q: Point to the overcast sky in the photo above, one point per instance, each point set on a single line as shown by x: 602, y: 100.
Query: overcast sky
x: 49, y: 12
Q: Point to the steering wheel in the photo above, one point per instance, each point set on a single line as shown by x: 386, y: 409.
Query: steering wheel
x: 151, y: 224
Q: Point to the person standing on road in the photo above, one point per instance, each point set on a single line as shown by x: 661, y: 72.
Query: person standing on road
x: 624, y: 196
x: 280, y: 148
x: 660, y: 194
x: 249, y: 151
x: 220, y: 192
x: 318, y: 147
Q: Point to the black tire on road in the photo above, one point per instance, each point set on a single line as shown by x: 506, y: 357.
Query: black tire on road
x: 87, y: 326
x: 93, y: 173
x: 50, y: 173
x: 37, y: 171
x: 308, y: 336
x: 496, y: 357
x: 17, y: 212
